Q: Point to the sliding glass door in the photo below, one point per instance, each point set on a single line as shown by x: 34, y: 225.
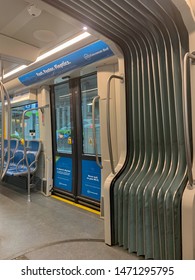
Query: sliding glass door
x: 76, y: 173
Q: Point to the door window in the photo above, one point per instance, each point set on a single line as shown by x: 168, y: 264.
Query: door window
x: 63, y: 119
x: 88, y: 92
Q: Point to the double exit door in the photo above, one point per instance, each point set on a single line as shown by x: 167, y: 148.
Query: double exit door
x: 77, y: 176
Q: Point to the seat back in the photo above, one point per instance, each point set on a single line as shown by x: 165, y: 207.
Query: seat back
x: 19, y: 155
x: 31, y: 157
x: 34, y: 146
x: 13, y: 146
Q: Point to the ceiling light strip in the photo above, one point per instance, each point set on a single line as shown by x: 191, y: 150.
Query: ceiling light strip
x: 50, y: 53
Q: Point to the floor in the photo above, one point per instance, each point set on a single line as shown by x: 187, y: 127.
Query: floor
x: 49, y: 229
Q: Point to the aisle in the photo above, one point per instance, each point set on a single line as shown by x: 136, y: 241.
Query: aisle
x: 48, y: 228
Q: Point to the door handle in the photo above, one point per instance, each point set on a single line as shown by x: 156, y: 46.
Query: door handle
x: 94, y: 131
x: 185, y: 120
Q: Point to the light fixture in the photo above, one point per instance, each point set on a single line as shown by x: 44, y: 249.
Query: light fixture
x: 14, y: 71
x: 51, y: 52
x: 63, y: 46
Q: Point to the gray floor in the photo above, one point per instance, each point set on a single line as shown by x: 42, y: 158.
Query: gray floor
x: 47, y: 229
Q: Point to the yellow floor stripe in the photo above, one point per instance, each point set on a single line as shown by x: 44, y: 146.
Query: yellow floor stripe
x: 76, y: 205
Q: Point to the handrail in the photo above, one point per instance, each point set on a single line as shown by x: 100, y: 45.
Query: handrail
x: 185, y: 120
x: 8, y: 129
x: 25, y: 148
x: 94, y: 131
x: 2, y: 131
x: 108, y: 120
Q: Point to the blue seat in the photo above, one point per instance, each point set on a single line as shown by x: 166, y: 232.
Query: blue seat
x: 34, y: 145
x: 25, y: 161
x: 18, y: 163
x: 14, y: 161
x: 5, y: 146
x: 13, y: 147
x: 20, y: 146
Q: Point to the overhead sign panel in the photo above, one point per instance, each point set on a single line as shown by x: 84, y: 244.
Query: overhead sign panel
x: 82, y: 57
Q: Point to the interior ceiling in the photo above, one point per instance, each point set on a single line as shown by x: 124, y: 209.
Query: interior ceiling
x: 43, y: 32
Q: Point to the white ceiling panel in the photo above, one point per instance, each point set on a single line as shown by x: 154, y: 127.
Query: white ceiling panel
x: 41, y: 33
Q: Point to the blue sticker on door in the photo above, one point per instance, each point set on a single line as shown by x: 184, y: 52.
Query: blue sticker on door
x: 63, y: 173
x: 91, y: 180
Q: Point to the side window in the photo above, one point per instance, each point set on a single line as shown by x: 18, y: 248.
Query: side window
x: 31, y: 123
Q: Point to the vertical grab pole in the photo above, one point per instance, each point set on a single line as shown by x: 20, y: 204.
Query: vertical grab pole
x: 108, y: 120
x: 5, y: 94
x: 186, y: 124
x: 25, y: 148
x: 2, y: 119
x: 25, y: 154
x: 2, y: 131
x: 8, y: 128
x: 94, y: 131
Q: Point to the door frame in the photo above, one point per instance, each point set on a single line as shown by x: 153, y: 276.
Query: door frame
x: 77, y: 146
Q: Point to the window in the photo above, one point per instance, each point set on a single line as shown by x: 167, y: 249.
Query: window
x: 63, y: 118
x: 88, y: 92
x: 31, y: 122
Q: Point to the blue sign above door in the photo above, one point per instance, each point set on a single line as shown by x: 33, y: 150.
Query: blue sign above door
x: 82, y: 57
x: 63, y: 173
x: 91, y: 180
